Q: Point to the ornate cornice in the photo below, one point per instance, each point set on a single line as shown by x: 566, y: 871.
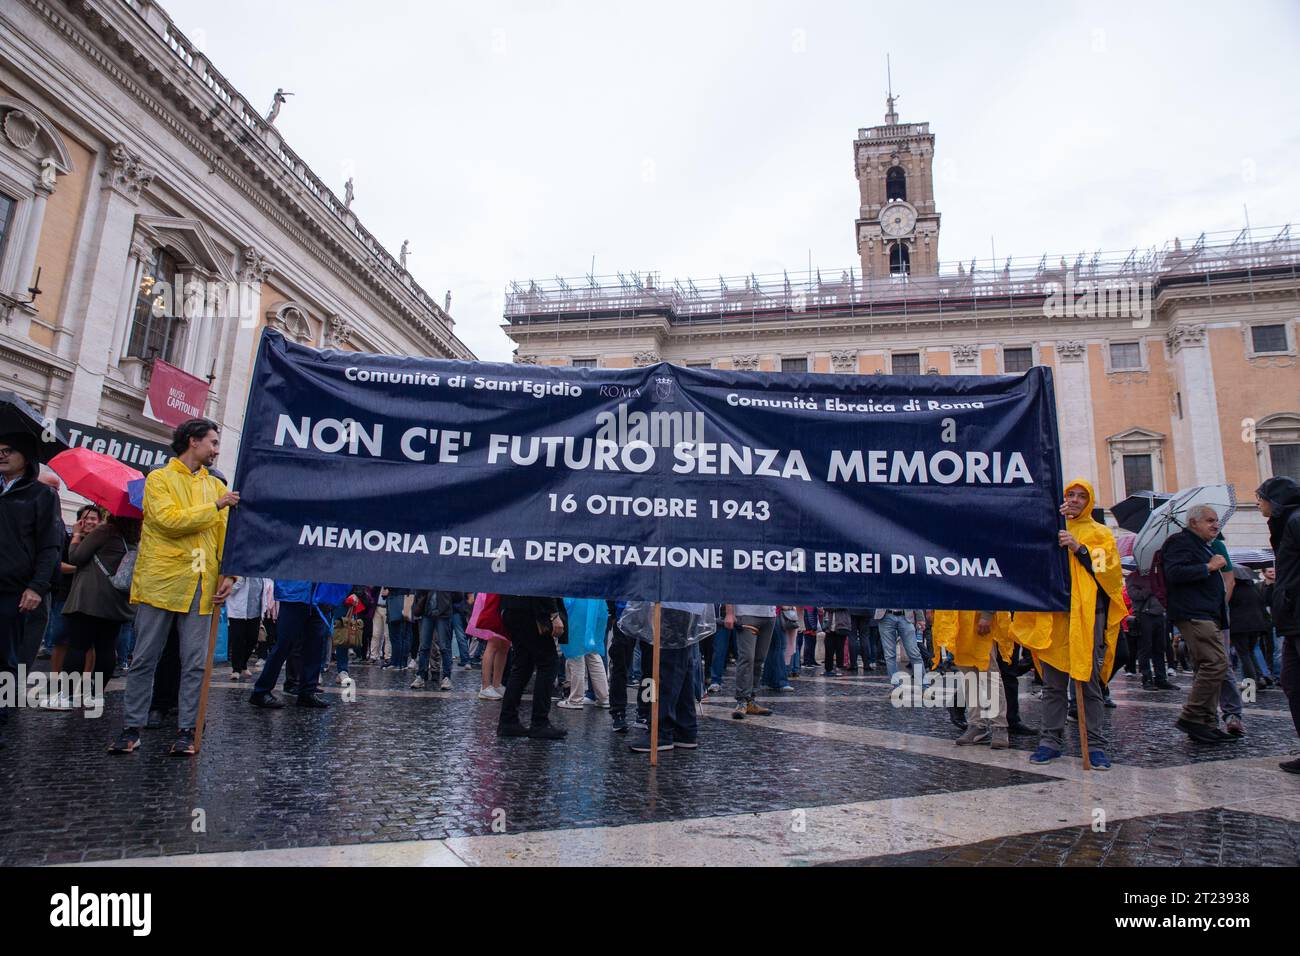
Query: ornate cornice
x: 844, y: 360
x: 965, y: 354
x: 1072, y: 351
x: 338, y: 331
x: 745, y: 363
x: 255, y: 268
x: 646, y: 358
x: 127, y: 172
x: 1185, y: 336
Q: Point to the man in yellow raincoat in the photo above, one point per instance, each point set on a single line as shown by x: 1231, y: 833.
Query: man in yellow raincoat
x: 175, y: 579
x: 975, y: 639
x: 1078, y: 644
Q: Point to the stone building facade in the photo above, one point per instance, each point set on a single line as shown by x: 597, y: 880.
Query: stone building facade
x: 1174, y: 367
x: 148, y: 211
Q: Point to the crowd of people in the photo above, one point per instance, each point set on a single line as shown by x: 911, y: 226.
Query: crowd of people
x: 115, y: 594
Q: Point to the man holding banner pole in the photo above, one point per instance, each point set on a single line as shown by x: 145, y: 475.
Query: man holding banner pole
x: 1079, y: 644
x: 176, y: 577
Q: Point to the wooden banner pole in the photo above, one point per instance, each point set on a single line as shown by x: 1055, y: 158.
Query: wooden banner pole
x: 1082, y: 711
x: 654, y: 699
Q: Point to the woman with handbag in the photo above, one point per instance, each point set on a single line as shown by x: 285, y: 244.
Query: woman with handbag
x: 96, y: 607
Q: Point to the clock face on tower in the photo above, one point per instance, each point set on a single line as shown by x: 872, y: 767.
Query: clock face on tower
x: 898, y: 219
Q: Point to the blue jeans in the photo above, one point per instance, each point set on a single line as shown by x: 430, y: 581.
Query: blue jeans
x: 462, y: 639
x: 429, y: 628
x: 399, y: 642
x: 125, y: 640
x: 723, y: 641
x: 637, y: 657
x: 697, y: 671
x: 301, y: 627
x: 894, y: 628
x: 774, y: 667
x: 54, y: 632
x: 678, y: 720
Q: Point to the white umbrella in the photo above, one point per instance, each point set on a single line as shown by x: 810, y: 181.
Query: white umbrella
x: 1171, y: 517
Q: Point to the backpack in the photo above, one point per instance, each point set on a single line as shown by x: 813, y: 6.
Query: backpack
x: 121, y: 578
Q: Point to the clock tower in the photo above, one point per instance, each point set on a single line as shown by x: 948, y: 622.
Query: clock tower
x: 898, y: 226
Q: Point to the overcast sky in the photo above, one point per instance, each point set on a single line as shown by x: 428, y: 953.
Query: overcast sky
x: 518, y: 140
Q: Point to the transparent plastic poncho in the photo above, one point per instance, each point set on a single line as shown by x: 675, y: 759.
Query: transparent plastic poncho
x: 680, y: 625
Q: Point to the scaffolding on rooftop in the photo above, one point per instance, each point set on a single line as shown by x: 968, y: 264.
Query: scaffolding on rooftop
x: 1251, y: 254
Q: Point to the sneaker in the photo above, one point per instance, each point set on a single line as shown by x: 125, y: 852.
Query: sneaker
x: 643, y: 746
x: 1108, y: 703
x: 1044, y: 754
x: 127, y: 741
x: 1234, y: 726
x: 269, y: 701
x: 1291, y: 766
x: 445, y: 684
x: 755, y: 710
x: 975, y: 734
x: 489, y: 693
x: 512, y: 730
x: 547, y: 732
x: 316, y: 701
x: 418, y: 683
x: 235, y: 675
x: 620, y: 724
x: 184, y: 745
x: 603, y: 704
x: 685, y: 745
x: 715, y: 688
x: 786, y: 689
x: 1001, y: 740
x: 1098, y: 760
x: 741, y: 709
x: 501, y: 690
x: 567, y: 704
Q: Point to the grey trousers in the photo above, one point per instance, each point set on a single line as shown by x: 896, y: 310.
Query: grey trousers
x: 1055, y: 687
x: 152, y: 626
x: 751, y: 651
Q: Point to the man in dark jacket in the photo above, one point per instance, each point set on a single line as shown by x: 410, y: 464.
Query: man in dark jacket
x: 32, y: 534
x: 1279, y: 502
x: 1151, y: 632
x: 1198, y: 607
x: 534, y: 624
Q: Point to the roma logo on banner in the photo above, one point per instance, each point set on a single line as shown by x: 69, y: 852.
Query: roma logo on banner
x: 658, y: 483
x: 174, y: 396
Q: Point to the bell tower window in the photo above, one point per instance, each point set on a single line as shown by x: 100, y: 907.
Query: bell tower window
x: 895, y: 184
x: 900, y: 261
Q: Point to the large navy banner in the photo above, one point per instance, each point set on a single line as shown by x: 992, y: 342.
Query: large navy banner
x: 650, y: 483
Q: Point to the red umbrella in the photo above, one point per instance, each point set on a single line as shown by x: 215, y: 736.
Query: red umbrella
x: 99, y: 478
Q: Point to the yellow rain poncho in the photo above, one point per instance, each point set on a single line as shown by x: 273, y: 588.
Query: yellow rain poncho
x: 958, y: 632
x: 1065, y: 640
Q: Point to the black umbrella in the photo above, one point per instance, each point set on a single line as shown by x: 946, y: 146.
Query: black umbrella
x: 17, y: 416
x: 1132, y: 513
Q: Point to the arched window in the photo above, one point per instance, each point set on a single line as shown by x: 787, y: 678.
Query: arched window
x: 156, y: 324
x: 895, y: 184
x: 900, y: 261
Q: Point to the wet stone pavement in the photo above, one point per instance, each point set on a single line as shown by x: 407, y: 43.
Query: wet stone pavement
x: 397, y: 766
